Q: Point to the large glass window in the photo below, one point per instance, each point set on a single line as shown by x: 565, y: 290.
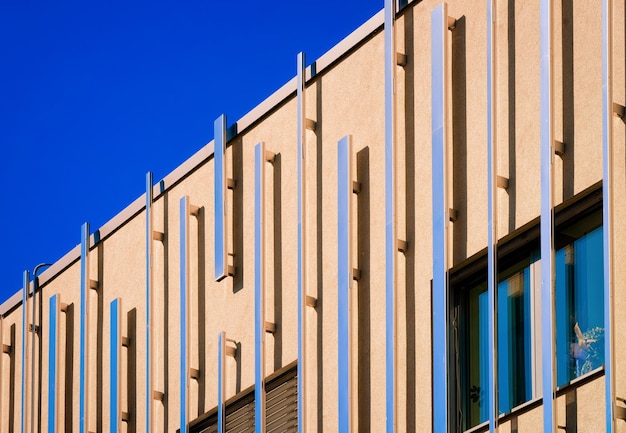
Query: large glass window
x: 579, y: 318
x: 579, y: 307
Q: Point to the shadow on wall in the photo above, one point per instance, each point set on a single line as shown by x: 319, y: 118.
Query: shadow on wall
x: 459, y: 140
x: 409, y: 255
x: 364, y: 396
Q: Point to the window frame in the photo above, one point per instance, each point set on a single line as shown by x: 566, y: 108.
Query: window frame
x: 512, y: 249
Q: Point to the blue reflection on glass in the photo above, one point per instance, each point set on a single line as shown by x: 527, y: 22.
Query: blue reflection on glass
x: 579, y: 313
x: 514, y: 346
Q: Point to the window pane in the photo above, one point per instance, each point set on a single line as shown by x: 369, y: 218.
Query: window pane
x: 514, y: 351
x: 579, y: 307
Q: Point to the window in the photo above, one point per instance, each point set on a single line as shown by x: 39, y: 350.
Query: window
x: 579, y: 320
x: 516, y: 297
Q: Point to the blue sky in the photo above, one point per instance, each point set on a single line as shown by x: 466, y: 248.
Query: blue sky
x: 95, y: 94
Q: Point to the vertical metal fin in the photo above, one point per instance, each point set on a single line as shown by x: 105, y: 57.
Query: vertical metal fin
x: 1, y: 362
x: 390, y: 215
x: 25, y: 340
x: 221, y: 361
x: 84, y: 330
x: 547, y: 217
x: 219, y: 152
x: 149, y: 301
x: 440, y: 133
x: 302, y: 293
x: 115, y: 408
x: 259, y: 287
x: 53, y: 363
x: 607, y: 209
x: 184, y: 314
x: 344, y: 284
x: 492, y: 219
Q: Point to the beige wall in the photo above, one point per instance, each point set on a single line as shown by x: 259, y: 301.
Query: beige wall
x: 347, y: 98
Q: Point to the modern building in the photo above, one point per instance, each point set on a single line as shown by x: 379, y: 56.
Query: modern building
x: 419, y: 232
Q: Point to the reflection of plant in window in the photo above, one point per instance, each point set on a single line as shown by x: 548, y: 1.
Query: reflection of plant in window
x: 585, y: 351
x: 476, y: 395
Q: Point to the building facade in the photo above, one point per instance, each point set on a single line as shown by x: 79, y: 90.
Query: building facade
x: 419, y: 232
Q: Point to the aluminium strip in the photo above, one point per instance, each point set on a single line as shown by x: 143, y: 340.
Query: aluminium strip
x: 184, y: 314
x: 1, y: 362
x: 259, y: 287
x: 149, y: 301
x: 25, y: 339
x: 344, y: 283
x: 440, y: 133
x: 221, y: 399
x: 390, y: 218
x: 53, y: 363
x: 547, y: 217
x: 492, y: 220
x: 219, y: 206
x: 83, y: 412
x: 115, y: 411
x: 302, y: 268
x: 607, y: 210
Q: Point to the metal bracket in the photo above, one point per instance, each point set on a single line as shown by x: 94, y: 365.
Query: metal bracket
x: 401, y: 245
x: 310, y: 301
x: 34, y: 328
x: 310, y: 124
x: 6, y: 348
x: 158, y: 395
x: 451, y: 23
x: 454, y: 214
x: 270, y: 156
x: 93, y: 285
x: 356, y: 274
x: 619, y: 110
x: 231, y: 183
x: 63, y: 306
x: 194, y: 373
x: 158, y: 236
x: 356, y: 187
x: 270, y: 327
x: 401, y: 59
x: 502, y: 182
x: 125, y: 417
x: 620, y: 412
x: 194, y: 210
x: 559, y: 148
x: 125, y: 341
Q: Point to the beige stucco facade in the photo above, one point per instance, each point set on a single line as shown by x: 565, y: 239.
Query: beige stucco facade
x: 345, y: 96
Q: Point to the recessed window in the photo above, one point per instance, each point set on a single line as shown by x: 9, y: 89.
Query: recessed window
x: 579, y: 321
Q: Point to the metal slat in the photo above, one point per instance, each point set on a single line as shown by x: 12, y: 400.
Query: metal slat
x: 607, y: 209
x: 149, y: 302
x: 184, y: 314
x: 492, y: 219
x: 390, y: 217
x: 25, y: 339
x: 259, y: 286
x: 53, y: 363
x: 440, y: 132
x: 115, y: 370
x: 221, y: 360
x: 302, y: 268
x: 219, y: 206
x: 83, y: 411
x: 344, y: 284
x: 547, y: 217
